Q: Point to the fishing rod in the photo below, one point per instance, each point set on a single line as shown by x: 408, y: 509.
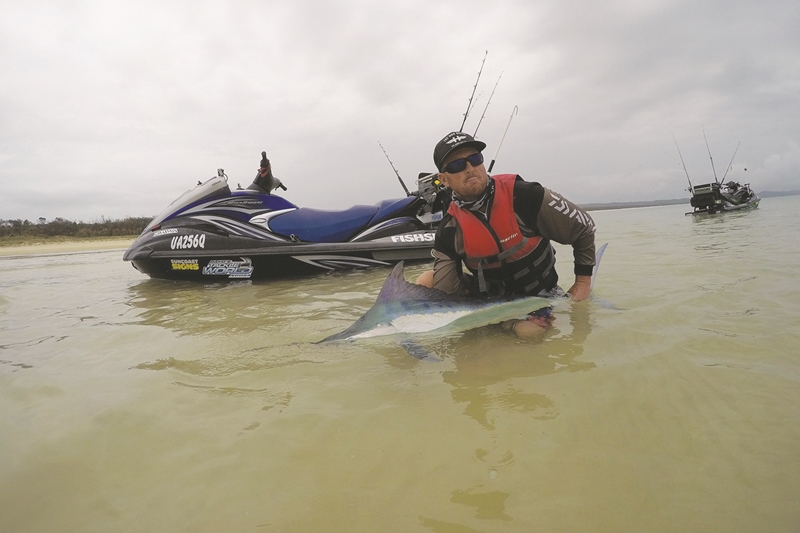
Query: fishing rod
x: 469, y: 112
x: 395, y: 170
x: 474, y: 87
x: 487, y: 105
x: 711, y: 158
x: 513, y: 112
x: 729, y: 164
x: 691, y: 189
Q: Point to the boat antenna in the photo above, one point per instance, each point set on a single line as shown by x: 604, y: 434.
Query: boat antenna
x: 513, y: 112
x: 729, y: 164
x: 469, y: 104
x: 487, y: 105
x: 395, y: 170
x: 711, y: 158
x: 691, y: 189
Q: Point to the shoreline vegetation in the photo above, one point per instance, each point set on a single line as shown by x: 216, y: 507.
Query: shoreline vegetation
x: 22, y: 237
x: 61, y: 244
x: 22, y: 242
x: 18, y: 231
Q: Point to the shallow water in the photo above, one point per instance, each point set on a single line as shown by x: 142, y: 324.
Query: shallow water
x: 669, y: 403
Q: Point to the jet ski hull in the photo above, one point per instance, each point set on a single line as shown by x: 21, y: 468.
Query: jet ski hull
x: 279, y: 260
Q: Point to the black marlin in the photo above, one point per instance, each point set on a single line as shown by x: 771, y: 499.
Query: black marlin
x: 408, y: 308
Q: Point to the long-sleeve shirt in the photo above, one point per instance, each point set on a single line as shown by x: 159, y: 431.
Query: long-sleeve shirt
x: 539, y: 212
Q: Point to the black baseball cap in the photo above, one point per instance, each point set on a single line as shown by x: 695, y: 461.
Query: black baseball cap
x: 453, y: 141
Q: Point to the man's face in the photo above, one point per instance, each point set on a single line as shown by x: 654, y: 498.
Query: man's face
x: 468, y: 184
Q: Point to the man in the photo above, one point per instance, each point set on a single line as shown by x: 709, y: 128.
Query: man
x: 500, y: 228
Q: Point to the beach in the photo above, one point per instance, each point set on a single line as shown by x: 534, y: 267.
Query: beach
x: 57, y: 247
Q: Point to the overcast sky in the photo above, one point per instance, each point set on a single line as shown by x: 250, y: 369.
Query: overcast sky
x: 113, y: 109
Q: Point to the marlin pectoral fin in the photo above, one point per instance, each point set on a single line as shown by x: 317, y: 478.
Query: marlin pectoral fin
x: 605, y: 304
x: 414, y: 349
x: 597, y: 257
x: 602, y: 302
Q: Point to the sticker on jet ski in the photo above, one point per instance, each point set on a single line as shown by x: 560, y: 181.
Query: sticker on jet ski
x: 414, y: 237
x: 184, y: 264
x: 187, y: 242
x: 226, y: 267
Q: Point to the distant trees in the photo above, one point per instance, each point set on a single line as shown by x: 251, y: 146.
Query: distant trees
x: 60, y: 227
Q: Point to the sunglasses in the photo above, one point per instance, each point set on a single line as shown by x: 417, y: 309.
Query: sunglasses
x: 457, y: 165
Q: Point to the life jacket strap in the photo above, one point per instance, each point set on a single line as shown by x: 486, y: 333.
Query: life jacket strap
x: 514, y: 249
x: 531, y: 286
x: 498, y: 257
x: 481, y: 280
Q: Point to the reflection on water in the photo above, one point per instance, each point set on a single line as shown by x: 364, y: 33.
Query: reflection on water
x: 192, y: 309
x: 249, y: 306
x: 232, y: 361
x: 488, y: 505
x: 727, y: 235
x: 484, y: 381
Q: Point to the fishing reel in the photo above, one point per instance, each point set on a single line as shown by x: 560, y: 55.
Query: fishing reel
x: 436, y: 195
x: 428, y: 185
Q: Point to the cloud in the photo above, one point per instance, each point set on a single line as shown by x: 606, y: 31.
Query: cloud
x: 114, y: 109
x: 779, y: 169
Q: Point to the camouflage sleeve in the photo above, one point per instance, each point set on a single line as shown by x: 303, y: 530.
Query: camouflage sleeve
x: 562, y: 221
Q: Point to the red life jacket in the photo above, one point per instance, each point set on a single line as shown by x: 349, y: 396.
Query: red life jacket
x: 498, y: 251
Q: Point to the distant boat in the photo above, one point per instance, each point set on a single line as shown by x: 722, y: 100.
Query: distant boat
x: 712, y: 198
x: 719, y: 197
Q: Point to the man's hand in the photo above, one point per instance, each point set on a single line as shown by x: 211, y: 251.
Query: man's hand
x: 581, y: 289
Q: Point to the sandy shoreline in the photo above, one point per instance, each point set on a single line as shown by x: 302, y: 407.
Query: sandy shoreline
x: 67, y: 247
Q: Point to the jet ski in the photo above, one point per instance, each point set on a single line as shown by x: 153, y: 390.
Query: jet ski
x: 713, y: 198
x: 212, y: 233
x: 719, y: 196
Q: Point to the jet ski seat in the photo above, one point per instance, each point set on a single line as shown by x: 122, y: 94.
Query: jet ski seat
x: 317, y: 225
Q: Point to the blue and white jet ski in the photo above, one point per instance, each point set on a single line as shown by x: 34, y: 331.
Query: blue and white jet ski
x: 211, y: 233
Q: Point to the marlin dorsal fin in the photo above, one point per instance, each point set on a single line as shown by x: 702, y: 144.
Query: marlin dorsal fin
x: 397, y: 288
